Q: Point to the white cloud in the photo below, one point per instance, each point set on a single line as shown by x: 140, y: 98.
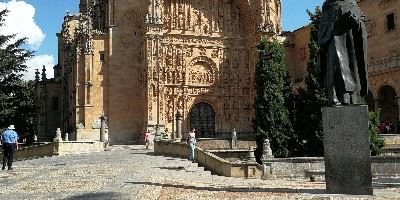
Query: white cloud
x: 37, y: 62
x: 20, y: 21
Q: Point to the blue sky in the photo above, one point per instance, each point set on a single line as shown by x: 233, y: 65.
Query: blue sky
x: 294, y: 13
x: 48, y: 16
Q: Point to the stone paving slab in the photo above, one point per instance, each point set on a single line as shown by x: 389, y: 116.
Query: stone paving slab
x: 132, y: 172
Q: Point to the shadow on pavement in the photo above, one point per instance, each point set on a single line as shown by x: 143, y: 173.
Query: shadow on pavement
x: 142, y: 153
x: 233, y: 189
x: 97, y: 195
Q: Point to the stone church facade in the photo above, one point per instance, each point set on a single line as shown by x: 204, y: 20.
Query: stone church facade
x: 143, y: 62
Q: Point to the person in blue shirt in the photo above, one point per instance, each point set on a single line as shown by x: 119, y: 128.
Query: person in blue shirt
x: 9, y: 140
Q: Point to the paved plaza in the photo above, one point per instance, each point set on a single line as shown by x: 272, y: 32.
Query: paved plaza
x: 132, y: 172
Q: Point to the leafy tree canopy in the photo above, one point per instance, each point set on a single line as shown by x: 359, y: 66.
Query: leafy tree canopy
x: 272, y: 119
x: 16, y: 95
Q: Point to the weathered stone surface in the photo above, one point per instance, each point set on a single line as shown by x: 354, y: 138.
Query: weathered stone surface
x: 346, y: 148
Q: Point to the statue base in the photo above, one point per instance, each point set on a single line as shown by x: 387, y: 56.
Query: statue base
x: 347, y: 150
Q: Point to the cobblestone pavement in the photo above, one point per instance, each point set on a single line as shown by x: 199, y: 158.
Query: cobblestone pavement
x: 132, y: 172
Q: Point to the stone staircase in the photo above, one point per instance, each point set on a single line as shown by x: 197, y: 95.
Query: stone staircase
x: 392, y: 144
x: 187, y: 168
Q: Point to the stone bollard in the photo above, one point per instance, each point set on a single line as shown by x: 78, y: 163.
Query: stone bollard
x: 66, y: 137
x: 58, y: 137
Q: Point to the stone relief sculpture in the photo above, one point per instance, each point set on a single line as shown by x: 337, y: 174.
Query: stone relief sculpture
x: 201, y: 73
x: 343, y: 40
x: 204, y: 54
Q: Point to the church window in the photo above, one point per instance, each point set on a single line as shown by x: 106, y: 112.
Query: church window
x: 390, y: 22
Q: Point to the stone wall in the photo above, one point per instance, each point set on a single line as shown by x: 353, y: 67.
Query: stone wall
x: 277, y: 167
x: 297, y: 54
x: 56, y: 149
x: 213, y: 144
x: 215, y: 164
x: 302, y: 167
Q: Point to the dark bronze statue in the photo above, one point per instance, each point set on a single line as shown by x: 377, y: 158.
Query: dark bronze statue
x: 343, y: 41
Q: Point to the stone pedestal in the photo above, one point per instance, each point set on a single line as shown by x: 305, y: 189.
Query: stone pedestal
x: 346, y: 148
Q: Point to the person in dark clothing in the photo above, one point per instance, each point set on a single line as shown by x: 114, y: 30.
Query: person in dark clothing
x: 343, y: 39
x: 9, y: 140
x: 392, y: 128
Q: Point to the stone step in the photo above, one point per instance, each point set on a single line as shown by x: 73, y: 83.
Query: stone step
x: 391, y: 149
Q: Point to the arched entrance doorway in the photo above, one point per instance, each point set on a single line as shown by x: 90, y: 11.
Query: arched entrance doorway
x: 388, y: 104
x: 202, y: 118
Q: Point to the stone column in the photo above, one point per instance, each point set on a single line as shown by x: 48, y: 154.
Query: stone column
x: 102, y: 127
x: 178, y: 118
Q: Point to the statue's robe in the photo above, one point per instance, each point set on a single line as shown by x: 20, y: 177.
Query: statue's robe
x: 343, y: 41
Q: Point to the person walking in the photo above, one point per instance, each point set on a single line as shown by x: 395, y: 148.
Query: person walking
x: 9, y: 140
x: 191, y: 141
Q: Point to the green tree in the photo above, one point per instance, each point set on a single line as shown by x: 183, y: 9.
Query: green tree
x: 310, y: 100
x: 272, y: 119
x: 16, y: 96
x: 377, y: 143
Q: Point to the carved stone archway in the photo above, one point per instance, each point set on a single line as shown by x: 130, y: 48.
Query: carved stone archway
x: 202, y: 118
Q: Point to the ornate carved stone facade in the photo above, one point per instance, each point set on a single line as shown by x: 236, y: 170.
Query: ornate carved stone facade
x: 142, y: 61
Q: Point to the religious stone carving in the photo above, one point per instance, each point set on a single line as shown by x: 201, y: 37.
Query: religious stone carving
x: 204, y: 53
x: 201, y: 17
x: 201, y: 73
x: 170, y: 108
x: 227, y: 109
x: 267, y: 151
